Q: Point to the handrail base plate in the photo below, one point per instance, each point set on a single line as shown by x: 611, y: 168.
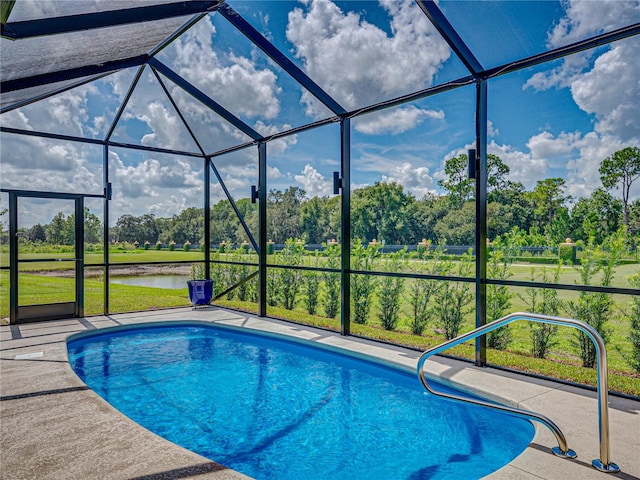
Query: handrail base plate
x: 568, y: 454
x: 610, y: 468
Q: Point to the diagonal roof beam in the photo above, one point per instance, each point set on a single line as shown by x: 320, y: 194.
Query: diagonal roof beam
x: 560, y: 52
x: 70, y: 74
x: 124, y: 102
x: 203, y: 98
x: 433, y: 12
x: 49, y: 93
x: 88, y: 21
x: 177, y: 109
x: 277, y: 56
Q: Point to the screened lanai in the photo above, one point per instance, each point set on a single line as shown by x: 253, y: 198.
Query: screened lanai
x: 403, y: 171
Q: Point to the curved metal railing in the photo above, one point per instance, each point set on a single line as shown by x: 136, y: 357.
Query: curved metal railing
x: 562, y: 450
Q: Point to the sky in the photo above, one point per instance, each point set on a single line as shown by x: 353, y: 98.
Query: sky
x: 560, y: 119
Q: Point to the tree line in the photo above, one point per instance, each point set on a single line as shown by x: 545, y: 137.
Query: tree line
x: 385, y: 212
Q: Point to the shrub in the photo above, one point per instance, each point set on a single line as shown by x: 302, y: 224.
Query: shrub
x: 567, y: 252
x: 331, y: 302
x: 544, y: 301
x: 634, y: 335
x: 363, y: 285
x: 311, y: 287
x: 420, y: 293
x: 499, y: 296
x: 172, y: 246
x: 186, y: 246
x: 197, y: 271
x: 452, y: 297
x: 290, y: 279
x: 594, y: 308
x: 391, y: 289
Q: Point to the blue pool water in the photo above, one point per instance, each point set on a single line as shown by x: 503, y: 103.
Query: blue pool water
x: 278, y: 409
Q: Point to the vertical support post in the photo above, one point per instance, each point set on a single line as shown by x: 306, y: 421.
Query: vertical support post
x: 207, y: 218
x: 345, y: 236
x: 105, y: 230
x: 13, y: 258
x: 79, y: 254
x: 262, y: 229
x: 481, y: 219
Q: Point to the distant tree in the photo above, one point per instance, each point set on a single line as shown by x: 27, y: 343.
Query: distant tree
x: 620, y: 170
x: 149, y: 230
x: 497, y: 172
x: 57, y: 230
x: 425, y: 214
x: 3, y: 212
x: 316, y: 219
x: 224, y: 222
x: 130, y: 228
x: 126, y: 229
x: 458, y: 227
x: 515, y: 202
x: 457, y: 184
x: 598, y: 215
x: 188, y: 225
x: 93, y: 228
x: 37, y: 233
x: 549, y: 200
x: 283, y: 213
x: 381, y: 211
x: 461, y: 188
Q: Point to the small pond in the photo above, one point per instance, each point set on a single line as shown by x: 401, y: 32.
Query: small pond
x: 172, y: 282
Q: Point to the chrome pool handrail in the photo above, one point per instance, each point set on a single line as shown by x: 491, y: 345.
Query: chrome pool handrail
x: 562, y: 450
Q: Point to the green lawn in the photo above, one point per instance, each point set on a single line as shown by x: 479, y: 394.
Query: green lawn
x: 39, y: 289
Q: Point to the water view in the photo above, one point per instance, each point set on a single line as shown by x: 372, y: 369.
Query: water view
x: 172, y: 282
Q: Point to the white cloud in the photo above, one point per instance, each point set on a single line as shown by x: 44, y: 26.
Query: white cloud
x: 606, y: 87
x: 544, y: 145
x: 235, y: 82
x: 415, y: 180
x: 167, y: 206
x: 357, y: 62
x: 577, y: 158
x: 278, y: 146
x: 395, y: 121
x: 152, y: 178
x: 583, y: 19
x: 314, y: 183
x: 492, y: 131
x: 525, y: 167
x: 39, y: 164
x: 610, y: 91
x: 582, y: 170
x: 166, y: 126
x: 65, y: 113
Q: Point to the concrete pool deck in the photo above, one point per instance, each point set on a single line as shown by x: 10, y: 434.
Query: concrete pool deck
x: 53, y: 427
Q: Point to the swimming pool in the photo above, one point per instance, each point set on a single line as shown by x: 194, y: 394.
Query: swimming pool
x: 278, y: 409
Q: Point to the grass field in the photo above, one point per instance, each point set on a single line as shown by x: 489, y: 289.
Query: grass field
x: 41, y: 283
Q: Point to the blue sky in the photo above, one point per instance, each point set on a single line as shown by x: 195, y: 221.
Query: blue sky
x: 558, y: 119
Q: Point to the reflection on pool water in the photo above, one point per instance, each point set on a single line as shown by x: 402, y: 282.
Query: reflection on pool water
x: 158, y: 281
x: 279, y: 409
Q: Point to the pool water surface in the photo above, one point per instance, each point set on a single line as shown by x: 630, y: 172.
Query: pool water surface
x: 278, y: 409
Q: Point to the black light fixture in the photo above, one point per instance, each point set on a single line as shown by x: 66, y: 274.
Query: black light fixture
x: 337, y: 183
x: 472, y: 169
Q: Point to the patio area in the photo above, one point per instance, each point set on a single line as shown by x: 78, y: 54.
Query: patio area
x: 53, y: 427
